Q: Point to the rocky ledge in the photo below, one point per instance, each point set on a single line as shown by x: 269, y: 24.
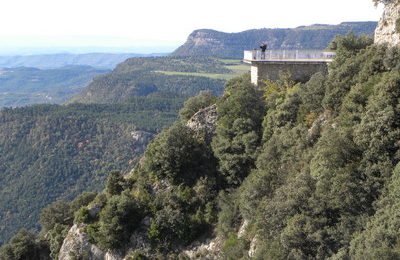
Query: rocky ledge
x: 388, y: 29
x: 204, y: 122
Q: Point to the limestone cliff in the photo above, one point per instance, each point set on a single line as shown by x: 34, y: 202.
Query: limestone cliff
x: 387, y: 32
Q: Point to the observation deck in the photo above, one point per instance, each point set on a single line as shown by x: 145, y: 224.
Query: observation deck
x: 289, y: 56
x: 299, y: 64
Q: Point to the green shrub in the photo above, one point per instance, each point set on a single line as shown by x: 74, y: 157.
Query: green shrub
x: 118, y: 219
x: 82, y: 216
x: 235, y: 248
x: 177, y: 155
x: 22, y: 246
x: 194, y: 104
x: 138, y: 255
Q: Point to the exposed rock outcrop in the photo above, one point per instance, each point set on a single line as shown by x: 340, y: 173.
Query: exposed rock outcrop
x: 209, y: 249
x: 76, y: 245
x: 141, y: 137
x: 253, y: 246
x: 141, y: 140
x: 204, y: 122
x: 315, y: 129
x: 388, y: 29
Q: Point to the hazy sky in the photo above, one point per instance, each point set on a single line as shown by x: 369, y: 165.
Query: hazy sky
x: 160, y: 22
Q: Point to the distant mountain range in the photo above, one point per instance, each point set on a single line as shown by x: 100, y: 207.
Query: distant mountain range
x: 26, y: 86
x: 220, y: 44
x: 49, y: 61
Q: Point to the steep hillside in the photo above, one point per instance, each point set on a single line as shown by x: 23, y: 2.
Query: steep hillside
x: 296, y: 171
x: 51, y: 61
x: 142, y: 76
x: 285, y: 171
x: 25, y: 86
x: 52, y: 152
x: 64, y: 150
x: 220, y: 44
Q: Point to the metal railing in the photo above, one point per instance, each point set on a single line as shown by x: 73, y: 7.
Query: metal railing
x: 289, y: 55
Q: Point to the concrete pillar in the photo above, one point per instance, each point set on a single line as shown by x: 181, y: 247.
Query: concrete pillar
x: 254, y: 74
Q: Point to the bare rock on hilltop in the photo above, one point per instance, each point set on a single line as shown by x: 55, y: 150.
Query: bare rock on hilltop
x: 388, y: 29
x: 204, y: 122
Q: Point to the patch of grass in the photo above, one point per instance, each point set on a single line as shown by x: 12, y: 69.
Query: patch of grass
x: 226, y: 76
x: 240, y: 68
x: 230, y: 61
x: 236, y: 66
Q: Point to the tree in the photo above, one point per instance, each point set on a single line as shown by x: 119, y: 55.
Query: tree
x: 177, y: 155
x: 381, y: 237
x: 56, y: 213
x: 194, y: 104
x: 356, y: 60
x: 313, y: 92
x: 378, y: 133
x: 118, y: 219
x: 114, y: 183
x: 240, y: 113
x: 169, y: 227
x: 62, y: 213
x: 22, y: 246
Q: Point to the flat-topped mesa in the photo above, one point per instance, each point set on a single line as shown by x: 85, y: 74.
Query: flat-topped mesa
x: 388, y: 29
x: 299, y: 64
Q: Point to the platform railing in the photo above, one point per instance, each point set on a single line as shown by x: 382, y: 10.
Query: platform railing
x: 289, y: 55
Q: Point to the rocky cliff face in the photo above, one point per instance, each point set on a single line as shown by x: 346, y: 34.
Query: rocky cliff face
x: 387, y: 32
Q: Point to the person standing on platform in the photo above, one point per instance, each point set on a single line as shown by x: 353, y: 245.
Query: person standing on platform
x: 263, y: 48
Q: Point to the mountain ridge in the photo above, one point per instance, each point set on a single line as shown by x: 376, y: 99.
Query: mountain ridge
x: 209, y: 42
x: 22, y: 86
x: 50, y: 61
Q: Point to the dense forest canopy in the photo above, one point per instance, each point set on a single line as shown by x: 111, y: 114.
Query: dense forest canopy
x: 53, y: 152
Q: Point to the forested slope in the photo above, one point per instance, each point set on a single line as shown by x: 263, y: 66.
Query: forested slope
x: 52, y: 152
x: 56, y: 152
x: 26, y: 86
x: 142, y: 76
x: 294, y: 171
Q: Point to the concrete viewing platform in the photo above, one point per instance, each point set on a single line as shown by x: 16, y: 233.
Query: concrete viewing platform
x: 299, y: 64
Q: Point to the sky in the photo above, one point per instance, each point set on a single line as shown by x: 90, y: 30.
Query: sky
x: 158, y: 25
